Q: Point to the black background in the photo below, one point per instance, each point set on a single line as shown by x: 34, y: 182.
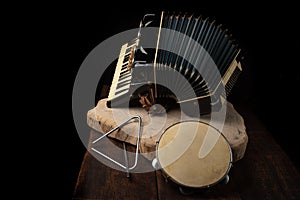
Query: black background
x: 63, y: 35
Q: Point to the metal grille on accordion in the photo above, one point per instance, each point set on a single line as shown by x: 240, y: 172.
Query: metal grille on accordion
x: 195, y: 64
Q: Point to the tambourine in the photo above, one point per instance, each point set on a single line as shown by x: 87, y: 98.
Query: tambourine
x: 193, y: 154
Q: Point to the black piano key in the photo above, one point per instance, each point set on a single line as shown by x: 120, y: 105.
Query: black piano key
x: 124, y: 75
x: 123, y: 84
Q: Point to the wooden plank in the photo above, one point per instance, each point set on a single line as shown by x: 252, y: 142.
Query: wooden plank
x: 265, y: 172
x: 96, y: 180
x: 169, y: 190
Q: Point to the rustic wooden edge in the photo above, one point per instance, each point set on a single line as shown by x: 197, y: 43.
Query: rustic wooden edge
x: 100, y: 119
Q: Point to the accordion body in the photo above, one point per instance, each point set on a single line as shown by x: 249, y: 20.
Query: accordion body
x: 194, y: 65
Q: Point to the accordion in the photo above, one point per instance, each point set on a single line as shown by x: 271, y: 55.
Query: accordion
x: 194, y: 64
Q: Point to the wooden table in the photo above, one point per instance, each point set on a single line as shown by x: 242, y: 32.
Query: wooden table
x: 265, y: 172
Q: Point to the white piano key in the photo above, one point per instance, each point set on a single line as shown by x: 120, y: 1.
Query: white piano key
x: 117, y: 79
x: 118, y: 70
x: 125, y: 78
x: 125, y: 63
x: 124, y: 71
x: 125, y: 87
x: 120, y: 94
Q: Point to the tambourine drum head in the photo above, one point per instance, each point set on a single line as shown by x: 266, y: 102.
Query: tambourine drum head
x: 194, y: 154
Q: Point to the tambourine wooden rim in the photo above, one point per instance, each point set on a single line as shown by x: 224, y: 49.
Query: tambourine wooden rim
x: 181, y: 184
